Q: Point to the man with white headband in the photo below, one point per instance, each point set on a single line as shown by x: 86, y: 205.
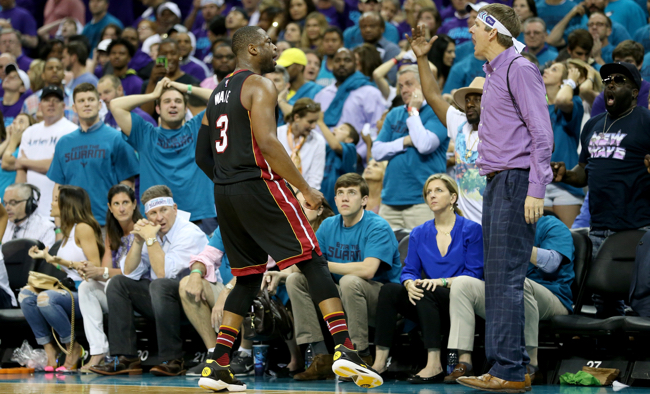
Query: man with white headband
x: 163, y: 244
x: 514, y: 153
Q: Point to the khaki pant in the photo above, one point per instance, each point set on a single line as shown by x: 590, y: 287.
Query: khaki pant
x: 467, y: 297
x: 408, y: 218
x: 359, y: 297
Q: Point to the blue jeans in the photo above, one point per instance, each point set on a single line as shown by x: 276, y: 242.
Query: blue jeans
x: 50, y: 308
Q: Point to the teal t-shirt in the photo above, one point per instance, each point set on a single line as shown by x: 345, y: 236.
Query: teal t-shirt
x: 566, y: 136
x: 552, y: 234
x: 370, y: 237
x: 407, y: 171
x: 335, y: 166
x: 7, y: 177
x: 94, y: 160
x: 94, y: 30
x: 167, y: 158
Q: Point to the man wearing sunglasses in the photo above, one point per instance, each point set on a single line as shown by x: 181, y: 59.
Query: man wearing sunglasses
x: 611, y: 163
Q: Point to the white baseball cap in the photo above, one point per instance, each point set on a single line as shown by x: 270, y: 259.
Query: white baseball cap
x: 103, y: 45
x: 475, y: 7
x: 23, y: 75
x: 171, y: 7
x: 218, y: 3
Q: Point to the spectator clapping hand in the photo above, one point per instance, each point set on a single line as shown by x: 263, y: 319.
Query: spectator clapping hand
x: 419, y: 44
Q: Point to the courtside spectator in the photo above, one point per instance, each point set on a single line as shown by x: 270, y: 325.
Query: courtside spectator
x: 149, y: 285
x: 21, y: 200
x: 74, y: 59
x: 167, y: 152
x: 223, y: 63
x: 440, y: 251
x: 332, y: 42
x: 122, y: 214
x: 52, y: 76
x: 20, y: 19
x: 535, y: 39
x: 295, y: 61
x: 340, y: 156
x: 16, y: 89
x: 7, y: 297
x: 95, y: 156
x: 611, y: 164
x: 415, y: 143
x: 374, y: 176
x: 51, y: 309
x: 352, y: 98
x: 109, y: 88
x: 120, y: 52
x: 101, y: 18
x: 547, y: 293
x: 38, y: 144
x: 305, y: 145
x: 10, y: 42
x: 627, y: 52
x: 362, y: 254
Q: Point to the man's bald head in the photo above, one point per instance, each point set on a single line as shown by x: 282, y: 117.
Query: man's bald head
x: 372, y: 27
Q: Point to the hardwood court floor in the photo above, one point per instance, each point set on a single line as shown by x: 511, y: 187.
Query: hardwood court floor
x: 148, y: 384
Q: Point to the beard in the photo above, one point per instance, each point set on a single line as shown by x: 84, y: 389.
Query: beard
x: 268, y: 66
x: 474, y: 118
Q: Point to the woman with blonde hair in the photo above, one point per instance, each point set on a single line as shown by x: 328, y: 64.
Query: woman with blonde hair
x: 35, y: 74
x: 312, y: 33
x: 439, y: 250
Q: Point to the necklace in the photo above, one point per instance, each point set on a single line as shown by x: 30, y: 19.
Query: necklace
x: 470, y: 150
x: 629, y: 111
x: 447, y: 233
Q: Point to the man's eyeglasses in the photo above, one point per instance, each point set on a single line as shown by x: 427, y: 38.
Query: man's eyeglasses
x: 12, y: 203
x: 617, y: 79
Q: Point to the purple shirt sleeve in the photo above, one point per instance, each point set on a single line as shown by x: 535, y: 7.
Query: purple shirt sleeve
x: 528, y: 89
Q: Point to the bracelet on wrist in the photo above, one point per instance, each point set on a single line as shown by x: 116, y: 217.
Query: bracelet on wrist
x: 395, y: 60
x: 444, y: 282
x: 569, y: 82
x: 57, y: 230
x: 197, y: 271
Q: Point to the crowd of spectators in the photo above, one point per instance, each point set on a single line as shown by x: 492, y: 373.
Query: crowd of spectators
x: 101, y: 109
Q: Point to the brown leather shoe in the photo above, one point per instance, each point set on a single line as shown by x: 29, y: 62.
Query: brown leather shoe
x: 169, y: 368
x: 459, y: 370
x: 120, y: 366
x: 491, y: 383
x: 320, y: 369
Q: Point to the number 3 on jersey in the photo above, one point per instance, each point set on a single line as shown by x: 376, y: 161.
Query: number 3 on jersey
x: 222, y: 125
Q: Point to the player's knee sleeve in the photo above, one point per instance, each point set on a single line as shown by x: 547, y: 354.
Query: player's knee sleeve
x: 319, y: 278
x: 242, y: 295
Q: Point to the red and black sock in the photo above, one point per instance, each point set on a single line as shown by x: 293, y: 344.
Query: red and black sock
x: 225, y: 340
x: 338, y: 327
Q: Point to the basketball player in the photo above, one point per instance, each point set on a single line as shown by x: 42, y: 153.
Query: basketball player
x: 259, y: 216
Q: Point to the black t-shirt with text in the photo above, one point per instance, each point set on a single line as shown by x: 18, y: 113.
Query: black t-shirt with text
x: 619, y: 183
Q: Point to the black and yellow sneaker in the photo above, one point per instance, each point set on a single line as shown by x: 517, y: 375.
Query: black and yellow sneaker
x: 215, y: 377
x: 348, y: 364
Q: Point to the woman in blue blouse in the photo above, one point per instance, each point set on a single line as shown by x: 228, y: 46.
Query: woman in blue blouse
x: 441, y: 249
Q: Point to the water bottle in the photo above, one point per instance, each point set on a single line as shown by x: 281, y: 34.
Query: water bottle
x: 452, y: 360
x: 309, y: 356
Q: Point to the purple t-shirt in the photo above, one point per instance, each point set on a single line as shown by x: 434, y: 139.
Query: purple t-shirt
x: 202, y: 43
x: 194, y: 70
x: 11, y: 111
x: 20, y: 20
x: 335, y: 18
x: 24, y: 62
x: 457, y: 29
x: 131, y: 83
x: 447, y: 13
x: 140, y: 60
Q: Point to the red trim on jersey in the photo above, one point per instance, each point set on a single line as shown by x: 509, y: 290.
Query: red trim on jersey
x: 292, y: 210
x: 236, y: 72
x: 259, y: 158
x: 255, y: 269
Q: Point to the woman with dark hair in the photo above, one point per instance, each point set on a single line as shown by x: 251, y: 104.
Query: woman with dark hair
x: 430, y: 17
x: 122, y: 214
x: 297, y: 11
x: 438, y: 251
x: 524, y: 9
x: 368, y: 59
x: 52, y: 48
x: 442, y: 55
x: 81, y: 245
x: 110, y: 32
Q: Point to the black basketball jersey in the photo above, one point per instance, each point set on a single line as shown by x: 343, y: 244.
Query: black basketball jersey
x: 236, y: 155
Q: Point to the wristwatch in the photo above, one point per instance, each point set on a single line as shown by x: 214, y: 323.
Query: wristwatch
x: 413, y: 111
x: 105, y: 276
x: 150, y: 241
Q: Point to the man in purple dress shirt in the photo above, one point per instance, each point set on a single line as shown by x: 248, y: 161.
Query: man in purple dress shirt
x: 515, y: 145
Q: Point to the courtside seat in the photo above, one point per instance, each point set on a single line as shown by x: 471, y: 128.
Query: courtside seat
x: 403, y: 248
x: 610, y: 275
x: 637, y: 324
x: 400, y: 233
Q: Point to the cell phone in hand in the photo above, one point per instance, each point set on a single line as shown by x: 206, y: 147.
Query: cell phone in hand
x: 162, y: 60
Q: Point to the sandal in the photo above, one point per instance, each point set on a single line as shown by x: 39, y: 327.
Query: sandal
x: 48, y: 369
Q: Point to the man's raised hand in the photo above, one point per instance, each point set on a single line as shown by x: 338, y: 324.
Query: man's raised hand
x: 418, y: 42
